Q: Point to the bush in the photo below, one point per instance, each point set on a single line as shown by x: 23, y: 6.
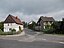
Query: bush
x: 20, y: 30
x: 9, y: 33
x: 6, y: 33
x: 1, y: 30
x: 48, y: 31
x: 2, y: 25
x: 13, y: 30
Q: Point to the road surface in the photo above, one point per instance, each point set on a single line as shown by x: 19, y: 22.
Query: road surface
x: 32, y: 39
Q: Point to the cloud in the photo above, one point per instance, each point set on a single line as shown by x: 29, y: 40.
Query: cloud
x: 26, y: 18
x: 57, y: 15
x: 29, y: 10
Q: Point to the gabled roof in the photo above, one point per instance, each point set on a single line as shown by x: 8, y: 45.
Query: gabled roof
x: 12, y: 19
x: 46, y: 19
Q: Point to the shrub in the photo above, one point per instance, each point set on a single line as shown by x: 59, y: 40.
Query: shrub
x: 20, y: 30
x: 10, y: 29
x: 13, y: 30
x: 2, y: 25
x: 1, y: 30
x: 5, y: 33
x: 8, y: 33
x: 48, y: 31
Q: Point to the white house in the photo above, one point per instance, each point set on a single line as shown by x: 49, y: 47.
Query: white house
x: 12, y: 22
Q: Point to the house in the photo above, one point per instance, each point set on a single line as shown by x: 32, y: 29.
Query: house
x: 12, y: 22
x: 31, y: 25
x: 43, y: 21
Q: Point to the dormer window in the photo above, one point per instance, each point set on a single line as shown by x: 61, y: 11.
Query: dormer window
x: 16, y: 17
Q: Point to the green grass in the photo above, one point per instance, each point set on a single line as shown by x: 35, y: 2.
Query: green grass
x: 57, y: 34
x: 9, y: 33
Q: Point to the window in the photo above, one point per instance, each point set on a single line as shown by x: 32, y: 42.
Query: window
x: 11, y: 24
x: 8, y: 24
x: 38, y: 24
x: 50, y: 21
x: 46, y: 22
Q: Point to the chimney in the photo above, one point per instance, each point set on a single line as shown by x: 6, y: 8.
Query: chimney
x: 16, y: 17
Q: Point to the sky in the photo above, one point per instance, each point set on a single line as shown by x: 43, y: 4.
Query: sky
x: 28, y: 10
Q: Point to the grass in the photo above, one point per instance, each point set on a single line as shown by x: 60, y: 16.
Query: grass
x: 12, y: 32
x: 9, y: 33
x: 58, y: 35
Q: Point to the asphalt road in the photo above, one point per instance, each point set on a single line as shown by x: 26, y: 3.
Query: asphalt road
x: 32, y: 39
x: 36, y: 44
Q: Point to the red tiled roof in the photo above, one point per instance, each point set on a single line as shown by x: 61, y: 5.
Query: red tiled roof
x: 12, y: 19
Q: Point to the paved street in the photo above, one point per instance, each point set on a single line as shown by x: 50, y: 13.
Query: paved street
x: 32, y: 39
x: 36, y: 44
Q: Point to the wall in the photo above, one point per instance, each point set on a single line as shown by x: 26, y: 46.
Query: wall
x: 47, y: 23
x: 15, y: 26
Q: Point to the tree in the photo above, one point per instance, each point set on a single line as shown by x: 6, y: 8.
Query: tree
x: 62, y: 26
x: 58, y: 27
x: 32, y: 25
x: 25, y: 24
x: 2, y: 25
x: 47, y: 26
x: 20, y: 29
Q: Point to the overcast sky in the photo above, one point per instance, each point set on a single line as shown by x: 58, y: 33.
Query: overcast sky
x: 28, y: 10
